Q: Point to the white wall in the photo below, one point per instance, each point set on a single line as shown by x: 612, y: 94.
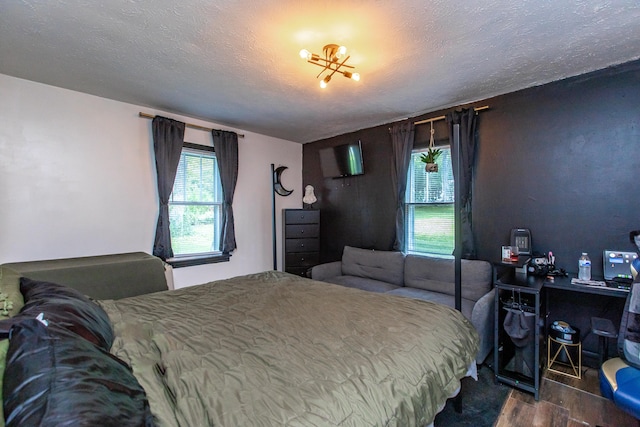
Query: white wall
x: 77, y: 178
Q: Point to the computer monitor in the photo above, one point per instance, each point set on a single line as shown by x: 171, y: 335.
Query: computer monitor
x: 617, y: 264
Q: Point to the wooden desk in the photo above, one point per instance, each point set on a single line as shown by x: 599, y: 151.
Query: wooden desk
x: 564, y: 283
x: 576, y: 304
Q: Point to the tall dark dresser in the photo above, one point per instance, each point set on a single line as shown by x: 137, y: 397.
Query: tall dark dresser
x: 301, y: 240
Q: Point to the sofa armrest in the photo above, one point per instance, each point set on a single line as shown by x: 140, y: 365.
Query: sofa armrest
x: 482, y: 318
x: 324, y: 271
x: 112, y: 276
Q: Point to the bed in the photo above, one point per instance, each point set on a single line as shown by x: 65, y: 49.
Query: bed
x: 266, y: 349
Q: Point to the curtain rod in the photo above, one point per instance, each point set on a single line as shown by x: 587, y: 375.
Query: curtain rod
x: 192, y: 126
x: 435, y: 119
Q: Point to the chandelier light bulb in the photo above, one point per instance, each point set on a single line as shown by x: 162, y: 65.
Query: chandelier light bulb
x: 352, y: 76
x: 341, y: 51
x: 323, y: 82
x: 305, y: 54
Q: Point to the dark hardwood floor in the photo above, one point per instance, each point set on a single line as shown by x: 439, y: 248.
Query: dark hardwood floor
x: 564, y: 402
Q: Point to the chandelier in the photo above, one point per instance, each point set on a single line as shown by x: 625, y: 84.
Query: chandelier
x: 331, y: 63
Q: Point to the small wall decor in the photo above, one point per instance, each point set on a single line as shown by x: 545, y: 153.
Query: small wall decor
x: 309, y: 197
x: 432, y: 155
x: 277, y: 185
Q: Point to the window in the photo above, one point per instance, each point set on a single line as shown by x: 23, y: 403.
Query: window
x: 429, y: 206
x: 195, y: 205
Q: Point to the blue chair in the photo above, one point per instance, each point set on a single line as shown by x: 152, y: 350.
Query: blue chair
x: 620, y: 376
x: 621, y: 383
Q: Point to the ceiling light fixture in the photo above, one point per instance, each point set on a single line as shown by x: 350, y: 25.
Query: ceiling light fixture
x: 331, y: 63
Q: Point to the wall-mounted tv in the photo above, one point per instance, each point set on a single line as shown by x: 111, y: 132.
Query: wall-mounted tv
x: 342, y: 160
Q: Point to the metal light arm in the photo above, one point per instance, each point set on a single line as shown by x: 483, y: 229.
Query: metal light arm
x: 331, y: 63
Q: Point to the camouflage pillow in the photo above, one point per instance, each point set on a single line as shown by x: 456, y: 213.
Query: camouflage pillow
x: 67, y: 308
x: 54, y: 377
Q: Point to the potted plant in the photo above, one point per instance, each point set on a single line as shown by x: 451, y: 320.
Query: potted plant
x: 430, y: 159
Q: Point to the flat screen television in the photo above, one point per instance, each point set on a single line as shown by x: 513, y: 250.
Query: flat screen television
x: 342, y: 160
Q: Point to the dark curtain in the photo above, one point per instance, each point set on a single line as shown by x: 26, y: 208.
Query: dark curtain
x: 467, y: 119
x: 402, y: 136
x: 226, y: 146
x: 168, y: 137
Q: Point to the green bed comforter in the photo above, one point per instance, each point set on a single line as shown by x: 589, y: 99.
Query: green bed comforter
x: 273, y: 349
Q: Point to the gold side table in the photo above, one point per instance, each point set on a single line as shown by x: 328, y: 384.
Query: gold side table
x: 564, y: 348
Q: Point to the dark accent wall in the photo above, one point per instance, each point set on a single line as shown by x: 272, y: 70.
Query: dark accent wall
x: 560, y: 159
x: 355, y: 210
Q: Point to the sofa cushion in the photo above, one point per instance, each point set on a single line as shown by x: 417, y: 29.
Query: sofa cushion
x: 385, y: 266
x: 437, y: 274
x: 361, y: 283
x: 437, y: 297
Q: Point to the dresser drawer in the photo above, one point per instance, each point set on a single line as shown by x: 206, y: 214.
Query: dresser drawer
x: 301, y: 245
x: 302, y: 231
x: 301, y: 240
x: 298, y: 271
x: 301, y: 216
x: 302, y: 259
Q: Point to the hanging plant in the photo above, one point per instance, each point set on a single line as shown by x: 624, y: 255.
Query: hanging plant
x: 430, y: 159
x: 432, y: 155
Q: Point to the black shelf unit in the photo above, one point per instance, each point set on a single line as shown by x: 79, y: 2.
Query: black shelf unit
x: 519, y: 362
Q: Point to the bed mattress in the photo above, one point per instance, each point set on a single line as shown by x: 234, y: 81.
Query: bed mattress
x: 273, y: 349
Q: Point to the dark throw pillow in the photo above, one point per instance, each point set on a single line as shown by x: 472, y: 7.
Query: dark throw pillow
x: 54, y: 377
x: 67, y: 308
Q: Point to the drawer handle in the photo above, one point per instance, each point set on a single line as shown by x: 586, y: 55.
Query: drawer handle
x: 301, y: 259
x: 301, y: 231
x: 302, y: 245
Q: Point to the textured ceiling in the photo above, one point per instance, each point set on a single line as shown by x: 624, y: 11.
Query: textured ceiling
x: 236, y: 62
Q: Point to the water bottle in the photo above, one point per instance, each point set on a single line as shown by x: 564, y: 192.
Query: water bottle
x: 584, y: 267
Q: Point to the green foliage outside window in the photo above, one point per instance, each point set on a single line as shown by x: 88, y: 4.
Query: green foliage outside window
x: 195, y: 204
x: 433, y: 229
x: 429, y: 224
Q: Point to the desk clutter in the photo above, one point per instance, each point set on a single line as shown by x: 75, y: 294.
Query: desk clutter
x: 618, y: 267
x: 576, y: 281
x: 613, y: 284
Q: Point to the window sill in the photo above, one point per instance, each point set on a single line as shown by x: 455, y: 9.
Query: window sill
x: 191, y: 261
x: 430, y: 254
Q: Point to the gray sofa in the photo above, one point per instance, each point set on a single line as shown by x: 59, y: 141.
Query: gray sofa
x: 419, y: 277
x: 111, y: 276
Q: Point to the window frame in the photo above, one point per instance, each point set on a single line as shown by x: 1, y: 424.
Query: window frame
x: 188, y: 260
x: 409, y: 206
